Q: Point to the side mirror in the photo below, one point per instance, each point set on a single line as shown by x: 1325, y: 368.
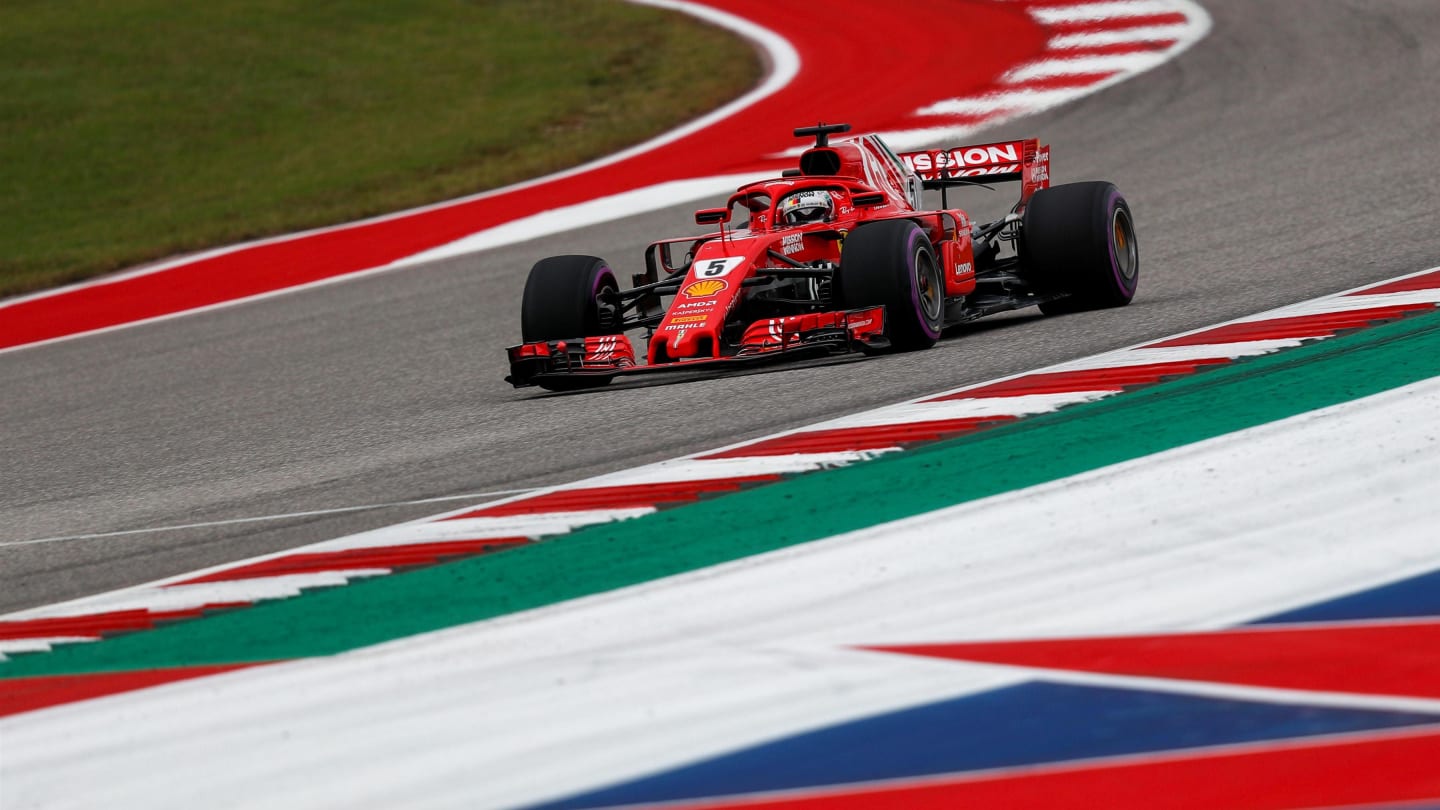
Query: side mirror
x: 712, y: 216
x: 869, y: 200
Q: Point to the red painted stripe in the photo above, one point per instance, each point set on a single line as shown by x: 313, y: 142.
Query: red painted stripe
x: 618, y: 497
x: 1090, y: 379
x: 1065, y: 82
x: 1424, y: 281
x: 358, y: 558
x: 96, y: 624
x: 1398, y: 659
x: 1366, y: 772
x: 860, y: 438
x: 1114, y: 48
x: 1324, y: 324
x: 28, y: 694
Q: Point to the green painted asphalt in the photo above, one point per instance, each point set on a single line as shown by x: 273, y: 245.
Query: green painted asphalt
x: 799, y: 510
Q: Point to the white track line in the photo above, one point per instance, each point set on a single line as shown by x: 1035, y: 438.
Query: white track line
x: 266, y: 518
x: 780, y: 56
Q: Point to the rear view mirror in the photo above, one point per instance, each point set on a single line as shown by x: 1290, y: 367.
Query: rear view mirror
x: 712, y: 216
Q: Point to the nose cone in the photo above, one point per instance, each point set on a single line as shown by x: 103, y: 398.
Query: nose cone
x: 693, y: 324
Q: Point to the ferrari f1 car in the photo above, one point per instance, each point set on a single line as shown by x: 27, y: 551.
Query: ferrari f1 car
x: 839, y: 255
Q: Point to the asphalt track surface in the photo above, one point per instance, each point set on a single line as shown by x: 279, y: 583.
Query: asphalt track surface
x: 1288, y: 155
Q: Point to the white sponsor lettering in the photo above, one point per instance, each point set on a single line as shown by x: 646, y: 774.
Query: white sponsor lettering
x: 1003, y: 153
x: 792, y: 243
x: 976, y: 156
x: 933, y: 163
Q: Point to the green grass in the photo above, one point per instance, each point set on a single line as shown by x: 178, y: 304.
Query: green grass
x: 131, y: 130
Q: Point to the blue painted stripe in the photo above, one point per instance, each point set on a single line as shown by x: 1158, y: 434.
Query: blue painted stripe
x: 1416, y: 597
x: 1032, y: 723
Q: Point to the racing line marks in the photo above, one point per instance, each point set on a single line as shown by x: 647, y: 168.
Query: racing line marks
x: 555, y: 511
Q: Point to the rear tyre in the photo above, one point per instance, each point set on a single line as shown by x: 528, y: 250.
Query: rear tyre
x: 892, y: 264
x: 569, y: 297
x: 1079, y: 239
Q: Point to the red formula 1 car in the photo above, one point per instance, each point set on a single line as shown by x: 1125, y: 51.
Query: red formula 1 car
x: 836, y: 256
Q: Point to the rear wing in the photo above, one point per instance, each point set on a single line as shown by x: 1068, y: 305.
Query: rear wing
x: 1026, y: 161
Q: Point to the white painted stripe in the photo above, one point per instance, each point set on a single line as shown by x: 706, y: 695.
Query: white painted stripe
x: 10, y: 646
x: 690, y: 469
x: 962, y: 409
x: 600, y: 689
x: 580, y: 215
x: 1111, y: 10
x: 1077, y: 65
x: 1178, y: 354
x: 188, y: 597
x: 1009, y: 101
x: 1352, y: 303
x: 484, y: 528
x: 1121, y: 36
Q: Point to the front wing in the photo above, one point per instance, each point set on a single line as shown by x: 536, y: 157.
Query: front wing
x: 592, y: 361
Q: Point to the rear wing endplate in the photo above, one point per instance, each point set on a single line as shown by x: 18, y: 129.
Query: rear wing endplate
x: 1026, y: 161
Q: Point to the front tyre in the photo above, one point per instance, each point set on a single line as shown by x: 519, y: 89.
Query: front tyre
x: 892, y: 264
x: 1079, y: 239
x: 569, y: 297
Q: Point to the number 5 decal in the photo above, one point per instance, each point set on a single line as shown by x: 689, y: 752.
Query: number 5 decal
x: 716, y: 268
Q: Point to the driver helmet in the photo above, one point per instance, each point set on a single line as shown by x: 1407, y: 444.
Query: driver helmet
x: 806, y: 206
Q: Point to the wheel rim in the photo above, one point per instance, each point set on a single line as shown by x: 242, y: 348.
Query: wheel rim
x: 1122, y: 234
x: 929, y: 287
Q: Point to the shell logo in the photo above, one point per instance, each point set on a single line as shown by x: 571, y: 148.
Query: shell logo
x: 704, y: 289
